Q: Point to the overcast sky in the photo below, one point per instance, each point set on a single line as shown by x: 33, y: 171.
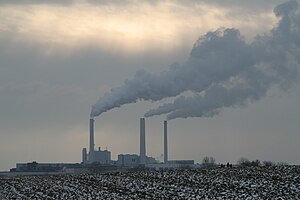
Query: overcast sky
x: 58, y: 58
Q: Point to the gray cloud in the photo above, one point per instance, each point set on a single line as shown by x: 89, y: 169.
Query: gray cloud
x: 52, y: 86
x: 220, y: 62
x: 230, y: 3
x: 123, y: 2
x: 236, y: 7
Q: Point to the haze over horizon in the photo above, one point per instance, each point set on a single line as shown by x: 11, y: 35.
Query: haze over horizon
x: 58, y: 58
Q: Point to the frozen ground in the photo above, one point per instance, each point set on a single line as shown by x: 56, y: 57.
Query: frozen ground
x: 280, y: 182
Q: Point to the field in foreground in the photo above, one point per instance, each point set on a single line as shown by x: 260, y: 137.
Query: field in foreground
x: 280, y: 182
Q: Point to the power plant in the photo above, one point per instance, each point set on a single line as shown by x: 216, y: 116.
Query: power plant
x: 131, y: 160
x: 101, y: 159
x: 104, y: 157
x: 95, y: 156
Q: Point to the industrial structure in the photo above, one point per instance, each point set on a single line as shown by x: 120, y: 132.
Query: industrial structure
x: 102, y: 158
x: 92, y: 142
x: 165, y: 141
x: 84, y: 156
x: 128, y: 160
x: 133, y: 160
x: 142, y: 142
x: 45, y: 167
x: 95, y: 156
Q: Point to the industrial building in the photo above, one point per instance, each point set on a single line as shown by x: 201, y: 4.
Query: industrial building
x: 102, y: 158
x: 95, y: 156
x: 45, y: 167
x: 132, y: 160
x: 128, y: 160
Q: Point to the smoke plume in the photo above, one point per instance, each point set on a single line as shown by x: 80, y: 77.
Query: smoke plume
x: 221, y: 71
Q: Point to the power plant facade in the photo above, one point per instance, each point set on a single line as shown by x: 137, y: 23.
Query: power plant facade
x: 127, y: 160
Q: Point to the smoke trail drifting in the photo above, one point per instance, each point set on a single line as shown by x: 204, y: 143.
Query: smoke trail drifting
x: 222, y: 71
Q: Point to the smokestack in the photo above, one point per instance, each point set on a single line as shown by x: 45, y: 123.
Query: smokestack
x: 165, y: 141
x: 142, y: 142
x: 84, y: 156
x: 92, y: 144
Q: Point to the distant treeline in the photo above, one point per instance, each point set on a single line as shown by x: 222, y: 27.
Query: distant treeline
x: 255, y: 163
x: 244, y: 162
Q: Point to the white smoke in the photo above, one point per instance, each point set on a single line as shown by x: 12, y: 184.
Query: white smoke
x: 222, y: 71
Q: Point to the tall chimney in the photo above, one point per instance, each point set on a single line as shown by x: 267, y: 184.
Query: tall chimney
x: 165, y: 141
x: 142, y: 142
x: 92, y: 144
x: 84, y: 156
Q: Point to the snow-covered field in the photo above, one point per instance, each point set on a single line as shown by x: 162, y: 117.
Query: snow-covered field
x: 280, y: 182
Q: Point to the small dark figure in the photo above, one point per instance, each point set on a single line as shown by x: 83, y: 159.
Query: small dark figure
x: 222, y: 166
x: 230, y: 166
x: 227, y: 165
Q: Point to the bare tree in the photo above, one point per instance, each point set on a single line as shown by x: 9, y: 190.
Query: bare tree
x: 205, y: 160
x: 244, y: 162
x: 268, y: 163
x: 208, y: 161
x: 212, y: 160
x: 255, y: 163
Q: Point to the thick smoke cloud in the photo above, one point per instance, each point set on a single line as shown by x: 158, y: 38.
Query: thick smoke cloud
x: 222, y: 71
